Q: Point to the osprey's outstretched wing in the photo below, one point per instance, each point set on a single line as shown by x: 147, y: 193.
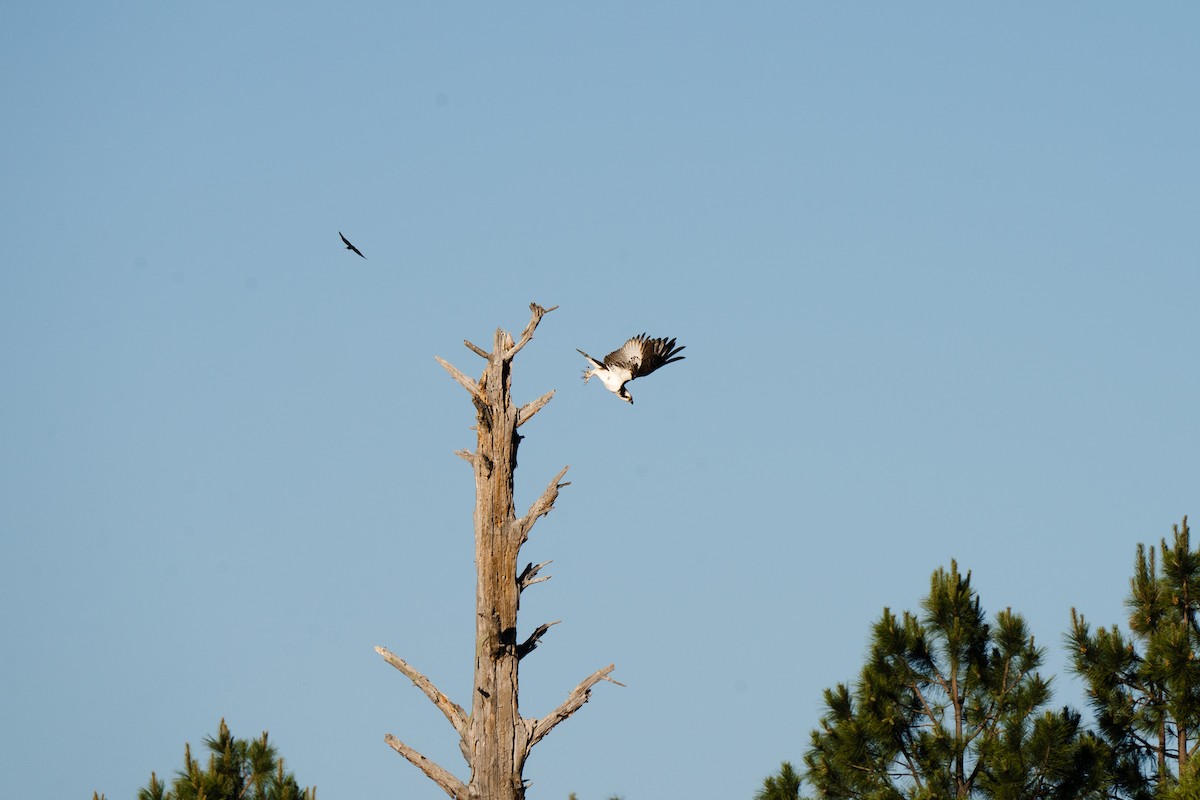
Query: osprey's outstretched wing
x: 638, y: 356
x: 348, y: 245
x: 641, y: 355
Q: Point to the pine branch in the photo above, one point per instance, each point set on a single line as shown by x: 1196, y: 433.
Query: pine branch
x: 911, y: 767
x: 531, y: 643
x: 929, y: 713
x: 477, y: 350
x: 529, y: 409
x: 579, y: 695
x: 542, y: 506
x: 466, y: 455
x: 436, y: 773
x: 453, y: 712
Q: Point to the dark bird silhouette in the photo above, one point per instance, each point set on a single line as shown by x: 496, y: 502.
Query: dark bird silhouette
x: 349, y: 246
x: 637, y: 357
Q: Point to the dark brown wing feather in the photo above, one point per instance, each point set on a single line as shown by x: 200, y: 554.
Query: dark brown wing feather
x: 641, y: 355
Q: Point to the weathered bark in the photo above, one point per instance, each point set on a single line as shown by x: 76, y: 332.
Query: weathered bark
x: 495, y: 739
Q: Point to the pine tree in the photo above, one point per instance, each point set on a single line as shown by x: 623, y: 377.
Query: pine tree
x: 1145, y: 687
x: 237, y: 769
x: 950, y: 706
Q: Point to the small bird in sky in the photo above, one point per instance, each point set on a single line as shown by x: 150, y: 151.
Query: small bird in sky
x: 637, y: 357
x: 349, y: 246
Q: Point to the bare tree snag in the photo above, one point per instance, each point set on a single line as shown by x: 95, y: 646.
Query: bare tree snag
x: 495, y: 739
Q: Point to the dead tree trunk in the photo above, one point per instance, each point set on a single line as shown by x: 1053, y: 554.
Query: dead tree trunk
x: 495, y: 739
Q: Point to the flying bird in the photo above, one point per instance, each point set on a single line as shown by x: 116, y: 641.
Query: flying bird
x: 637, y: 357
x: 349, y: 246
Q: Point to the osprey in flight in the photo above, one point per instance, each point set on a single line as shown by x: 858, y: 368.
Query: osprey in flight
x: 637, y: 357
x: 348, y: 245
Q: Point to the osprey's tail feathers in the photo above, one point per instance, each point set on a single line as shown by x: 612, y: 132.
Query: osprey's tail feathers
x: 589, y: 371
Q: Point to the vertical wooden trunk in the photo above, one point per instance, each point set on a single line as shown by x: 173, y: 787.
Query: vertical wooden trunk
x: 494, y: 739
x: 497, y: 735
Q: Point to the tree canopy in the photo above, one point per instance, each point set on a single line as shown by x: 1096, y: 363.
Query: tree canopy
x: 1144, y: 686
x: 237, y: 769
x: 784, y: 786
x: 949, y: 705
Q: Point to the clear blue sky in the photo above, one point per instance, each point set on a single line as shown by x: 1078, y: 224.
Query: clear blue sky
x: 936, y: 268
